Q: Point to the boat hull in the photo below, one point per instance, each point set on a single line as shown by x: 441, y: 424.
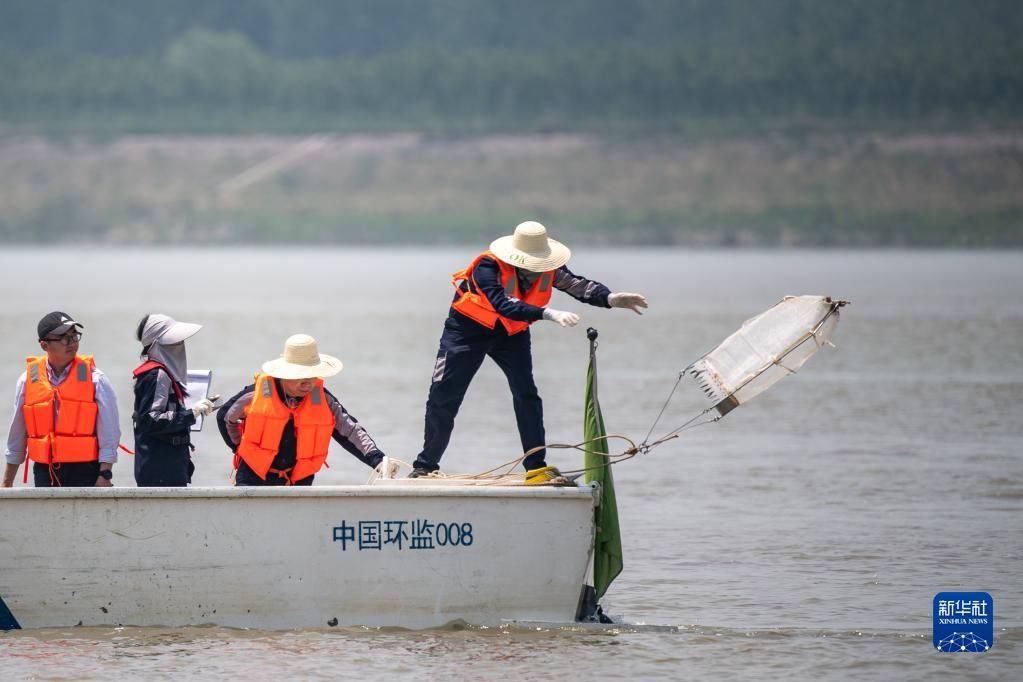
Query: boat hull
x: 276, y: 558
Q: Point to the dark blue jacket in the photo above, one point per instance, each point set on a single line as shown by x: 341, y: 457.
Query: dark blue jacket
x: 488, y: 276
x: 162, y: 435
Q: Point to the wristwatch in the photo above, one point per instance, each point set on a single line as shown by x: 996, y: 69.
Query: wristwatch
x: 106, y: 473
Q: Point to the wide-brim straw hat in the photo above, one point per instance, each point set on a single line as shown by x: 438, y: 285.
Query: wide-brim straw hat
x: 301, y: 359
x: 531, y: 249
x: 167, y: 331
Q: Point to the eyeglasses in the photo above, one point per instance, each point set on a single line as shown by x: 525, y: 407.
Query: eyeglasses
x: 67, y: 339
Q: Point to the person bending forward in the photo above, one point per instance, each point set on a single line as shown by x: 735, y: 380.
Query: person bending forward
x: 280, y: 426
x: 498, y: 296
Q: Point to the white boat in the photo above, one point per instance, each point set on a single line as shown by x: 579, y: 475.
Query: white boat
x: 415, y: 553
x: 411, y: 554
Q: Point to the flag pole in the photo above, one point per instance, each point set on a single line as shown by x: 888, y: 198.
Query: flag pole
x: 606, y: 558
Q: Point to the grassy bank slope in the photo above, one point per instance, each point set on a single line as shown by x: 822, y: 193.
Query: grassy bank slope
x: 824, y: 190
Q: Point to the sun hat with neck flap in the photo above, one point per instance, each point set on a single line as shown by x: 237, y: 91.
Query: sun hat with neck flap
x: 531, y: 249
x: 302, y: 359
x: 166, y: 331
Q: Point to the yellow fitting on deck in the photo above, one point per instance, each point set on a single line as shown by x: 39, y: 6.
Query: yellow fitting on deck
x: 541, y: 475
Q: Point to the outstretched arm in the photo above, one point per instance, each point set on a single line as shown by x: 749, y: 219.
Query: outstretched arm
x: 581, y: 289
x: 592, y: 292
x: 352, y: 435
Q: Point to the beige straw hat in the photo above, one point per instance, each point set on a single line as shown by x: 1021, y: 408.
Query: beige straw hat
x: 302, y: 360
x: 531, y: 249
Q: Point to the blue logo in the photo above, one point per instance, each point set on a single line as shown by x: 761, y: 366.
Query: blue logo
x: 964, y: 622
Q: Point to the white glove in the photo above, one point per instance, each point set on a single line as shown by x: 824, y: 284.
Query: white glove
x: 631, y: 301
x: 561, y: 317
x: 202, y: 408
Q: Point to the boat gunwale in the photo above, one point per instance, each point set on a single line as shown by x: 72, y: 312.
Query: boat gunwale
x: 303, y: 492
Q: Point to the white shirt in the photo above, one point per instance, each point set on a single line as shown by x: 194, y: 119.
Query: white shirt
x: 108, y: 426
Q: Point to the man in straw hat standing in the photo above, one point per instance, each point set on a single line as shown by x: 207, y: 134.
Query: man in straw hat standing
x: 498, y: 295
x: 280, y: 426
x: 65, y: 415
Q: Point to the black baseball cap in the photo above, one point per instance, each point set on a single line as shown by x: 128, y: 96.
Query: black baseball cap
x: 55, y: 323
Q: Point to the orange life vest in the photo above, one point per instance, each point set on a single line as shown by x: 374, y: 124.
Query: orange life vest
x: 475, y: 305
x: 265, y: 419
x: 73, y: 437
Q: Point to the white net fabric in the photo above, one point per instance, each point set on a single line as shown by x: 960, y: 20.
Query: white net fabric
x: 765, y: 349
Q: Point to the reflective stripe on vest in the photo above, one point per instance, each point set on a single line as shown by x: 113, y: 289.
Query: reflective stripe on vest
x: 267, y: 416
x: 476, y: 306
x: 60, y: 421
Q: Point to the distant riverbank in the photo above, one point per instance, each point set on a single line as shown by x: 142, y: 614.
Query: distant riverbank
x: 862, y: 189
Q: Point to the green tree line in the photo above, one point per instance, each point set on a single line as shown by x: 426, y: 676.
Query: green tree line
x: 209, y: 82
x: 299, y: 29
x: 498, y: 65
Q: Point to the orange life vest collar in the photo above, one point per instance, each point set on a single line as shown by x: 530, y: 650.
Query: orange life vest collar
x: 60, y: 421
x: 475, y: 305
x: 267, y: 416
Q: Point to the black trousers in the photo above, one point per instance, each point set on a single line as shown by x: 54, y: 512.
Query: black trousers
x: 68, y: 475
x: 163, y: 460
x: 463, y: 346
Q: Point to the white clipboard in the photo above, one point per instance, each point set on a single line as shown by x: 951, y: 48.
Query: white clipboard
x: 198, y: 388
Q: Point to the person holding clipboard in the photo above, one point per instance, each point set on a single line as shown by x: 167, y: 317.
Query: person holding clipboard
x: 162, y: 422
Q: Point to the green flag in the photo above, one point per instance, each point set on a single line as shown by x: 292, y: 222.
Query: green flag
x: 607, y: 552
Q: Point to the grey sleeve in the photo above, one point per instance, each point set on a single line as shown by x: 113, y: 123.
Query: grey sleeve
x: 234, y: 416
x: 352, y: 436
x: 160, y: 410
x: 580, y: 288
